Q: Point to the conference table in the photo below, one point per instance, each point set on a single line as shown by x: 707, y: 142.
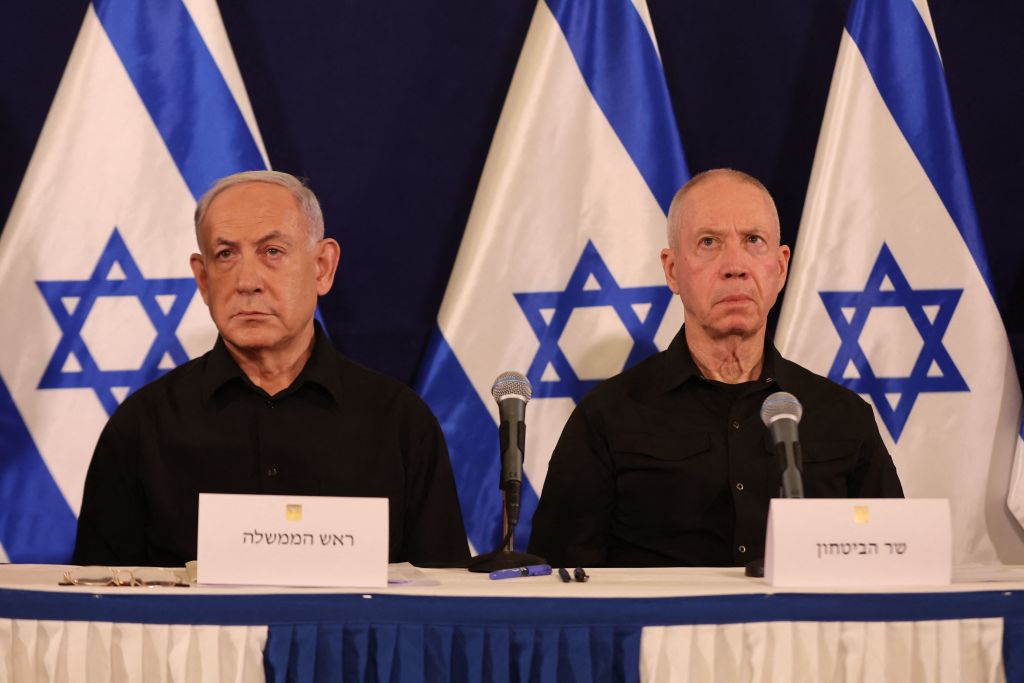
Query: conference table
x: 708, y: 624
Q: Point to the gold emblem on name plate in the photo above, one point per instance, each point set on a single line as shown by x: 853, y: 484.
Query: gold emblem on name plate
x: 293, y: 513
x: 861, y: 514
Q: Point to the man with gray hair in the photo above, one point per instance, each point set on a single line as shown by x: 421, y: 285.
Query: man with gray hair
x: 668, y: 463
x: 272, y: 408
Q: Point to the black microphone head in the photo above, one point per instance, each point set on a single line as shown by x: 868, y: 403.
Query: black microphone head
x: 511, y: 384
x: 781, y: 404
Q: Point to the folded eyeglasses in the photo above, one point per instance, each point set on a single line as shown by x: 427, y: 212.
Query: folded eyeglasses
x: 117, y: 576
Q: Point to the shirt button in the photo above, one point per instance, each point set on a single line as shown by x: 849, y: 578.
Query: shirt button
x: 739, y: 486
x: 272, y: 472
x: 742, y: 549
x: 735, y: 424
x: 768, y: 380
x: 270, y: 404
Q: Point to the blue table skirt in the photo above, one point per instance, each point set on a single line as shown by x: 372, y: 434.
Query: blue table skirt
x: 398, y: 637
x: 443, y: 652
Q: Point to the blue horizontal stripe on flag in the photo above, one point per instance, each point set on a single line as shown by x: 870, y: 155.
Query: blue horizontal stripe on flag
x: 621, y: 67
x: 36, y: 523
x: 903, y: 61
x: 182, y: 88
x: 472, y: 438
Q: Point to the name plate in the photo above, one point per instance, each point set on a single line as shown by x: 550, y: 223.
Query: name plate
x: 292, y: 540
x: 842, y: 542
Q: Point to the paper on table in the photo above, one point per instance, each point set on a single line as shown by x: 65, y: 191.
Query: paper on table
x: 404, y: 574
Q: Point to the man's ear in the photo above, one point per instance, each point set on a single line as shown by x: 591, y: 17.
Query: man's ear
x: 784, y: 254
x: 328, y: 253
x: 668, y: 264
x: 198, y: 266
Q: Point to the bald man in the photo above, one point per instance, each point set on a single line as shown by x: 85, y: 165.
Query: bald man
x: 668, y: 463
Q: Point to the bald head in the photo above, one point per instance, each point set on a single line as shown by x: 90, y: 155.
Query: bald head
x: 725, y: 260
x: 680, y: 204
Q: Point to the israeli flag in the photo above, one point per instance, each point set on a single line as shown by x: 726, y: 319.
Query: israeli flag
x: 558, y: 275
x: 890, y: 293
x: 96, y: 294
x: 1015, y: 498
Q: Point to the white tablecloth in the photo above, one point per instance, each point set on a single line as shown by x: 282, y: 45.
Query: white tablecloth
x: 823, y: 647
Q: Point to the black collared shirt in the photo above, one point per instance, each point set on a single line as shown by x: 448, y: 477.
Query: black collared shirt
x: 338, y: 430
x: 659, y: 466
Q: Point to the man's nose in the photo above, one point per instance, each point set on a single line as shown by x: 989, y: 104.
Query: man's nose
x: 734, y: 262
x: 250, y: 278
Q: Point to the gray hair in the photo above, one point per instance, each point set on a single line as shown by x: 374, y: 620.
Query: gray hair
x: 304, y: 197
x: 677, y: 201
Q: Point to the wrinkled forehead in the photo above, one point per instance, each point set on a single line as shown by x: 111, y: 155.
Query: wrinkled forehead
x: 252, y: 206
x: 727, y: 202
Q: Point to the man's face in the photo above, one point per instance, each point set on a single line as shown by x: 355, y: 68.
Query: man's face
x: 727, y: 265
x: 259, y: 272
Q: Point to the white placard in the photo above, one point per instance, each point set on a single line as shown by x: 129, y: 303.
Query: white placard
x: 292, y: 540
x: 842, y: 542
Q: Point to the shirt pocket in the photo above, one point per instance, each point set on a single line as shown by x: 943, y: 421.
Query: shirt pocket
x: 644, y: 450
x: 828, y: 467
x: 662, y: 478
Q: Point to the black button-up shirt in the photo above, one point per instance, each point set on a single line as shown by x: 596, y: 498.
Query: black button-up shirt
x: 338, y: 430
x: 659, y: 466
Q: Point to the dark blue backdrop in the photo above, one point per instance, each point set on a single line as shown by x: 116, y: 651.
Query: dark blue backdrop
x: 389, y: 107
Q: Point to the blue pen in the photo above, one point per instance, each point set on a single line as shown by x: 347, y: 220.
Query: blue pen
x: 530, y: 570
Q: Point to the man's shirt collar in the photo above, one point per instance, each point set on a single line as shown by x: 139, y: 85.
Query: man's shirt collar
x: 321, y: 369
x: 679, y: 366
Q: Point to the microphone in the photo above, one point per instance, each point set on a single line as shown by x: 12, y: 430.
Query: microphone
x: 512, y: 391
x: 781, y: 413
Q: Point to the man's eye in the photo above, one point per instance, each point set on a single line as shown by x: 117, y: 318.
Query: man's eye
x: 273, y: 251
x: 223, y: 254
x: 707, y: 241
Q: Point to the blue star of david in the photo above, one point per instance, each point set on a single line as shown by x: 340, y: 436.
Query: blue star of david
x: 562, y: 304
x: 72, y: 318
x: 933, y: 353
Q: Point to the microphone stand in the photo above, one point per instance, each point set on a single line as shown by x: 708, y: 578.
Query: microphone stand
x: 506, y: 557
x: 790, y: 461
